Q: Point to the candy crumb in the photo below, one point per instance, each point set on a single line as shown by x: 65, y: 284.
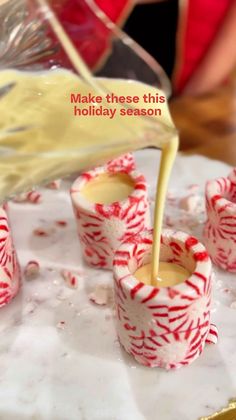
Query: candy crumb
x: 54, y: 185
x: 43, y: 231
x: 61, y: 223
x: 100, y: 295
x: 31, y: 270
x: 190, y: 203
x: 33, y: 197
x: 70, y: 278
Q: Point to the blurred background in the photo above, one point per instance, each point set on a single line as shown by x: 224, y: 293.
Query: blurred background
x: 193, y: 40
x: 195, y: 43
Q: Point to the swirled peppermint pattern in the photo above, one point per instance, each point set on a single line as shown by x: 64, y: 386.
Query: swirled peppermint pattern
x: 232, y: 178
x: 220, y: 227
x: 101, y: 228
x: 165, y: 327
x: 9, y: 267
x: 124, y: 163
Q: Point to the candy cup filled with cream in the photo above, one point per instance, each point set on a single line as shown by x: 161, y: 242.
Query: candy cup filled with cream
x: 109, y: 206
x: 220, y: 228
x: 9, y: 267
x: 165, y: 325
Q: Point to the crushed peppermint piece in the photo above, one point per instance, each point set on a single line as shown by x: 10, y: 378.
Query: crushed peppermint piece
x: 43, y: 231
x: 31, y: 270
x: 33, y: 197
x: 190, y: 203
x: 61, y: 223
x: 100, y: 296
x: 70, y: 278
x: 54, y: 185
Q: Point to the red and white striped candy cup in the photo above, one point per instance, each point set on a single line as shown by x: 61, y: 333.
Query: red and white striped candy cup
x: 124, y: 163
x: 169, y: 326
x: 102, y: 227
x: 9, y: 267
x: 220, y: 227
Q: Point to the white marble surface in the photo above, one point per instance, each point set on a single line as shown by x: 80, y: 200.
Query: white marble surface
x: 80, y: 372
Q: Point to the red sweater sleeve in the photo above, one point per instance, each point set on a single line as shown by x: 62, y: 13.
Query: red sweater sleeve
x: 89, y: 35
x: 198, y: 24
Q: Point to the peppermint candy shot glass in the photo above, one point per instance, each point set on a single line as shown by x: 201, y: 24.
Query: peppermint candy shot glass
x: 9, y: 268
x: 110, y: 204
x: 165, y: 327
x: 124, y: 163
x: 220, y: 227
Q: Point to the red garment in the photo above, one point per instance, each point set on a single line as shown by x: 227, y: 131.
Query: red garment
x: 88, y: 33
x: 199, y: 22
x: 198, y: 25
x: 114, y: 9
